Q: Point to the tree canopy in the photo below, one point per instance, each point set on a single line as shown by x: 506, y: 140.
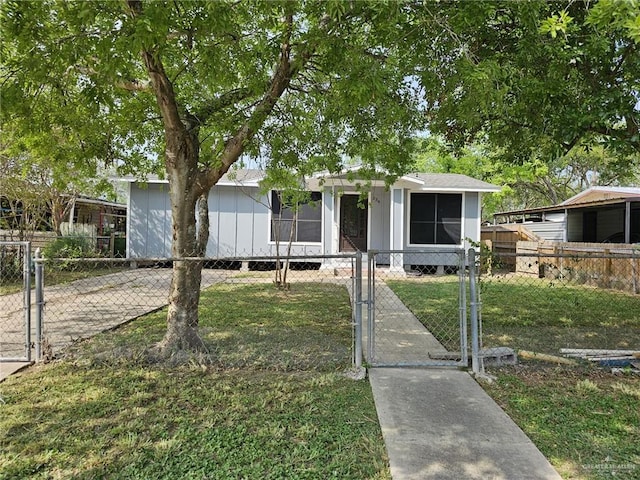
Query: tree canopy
x: 538, y: 78
x: 185, y: 88
x: 532, y: 183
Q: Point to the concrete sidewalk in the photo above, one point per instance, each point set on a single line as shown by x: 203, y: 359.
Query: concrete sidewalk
x: 438, y: 423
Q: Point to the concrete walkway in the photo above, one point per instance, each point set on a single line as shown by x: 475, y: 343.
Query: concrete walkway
x: 438, y: 423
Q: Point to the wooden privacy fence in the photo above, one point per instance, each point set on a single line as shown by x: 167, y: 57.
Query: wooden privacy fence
x: 501, y: 240
x: 112, y: 245
x: 615, y: 266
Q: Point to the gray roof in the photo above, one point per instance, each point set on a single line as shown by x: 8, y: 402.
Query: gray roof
x: 422, y: 181
x: 452, y: 181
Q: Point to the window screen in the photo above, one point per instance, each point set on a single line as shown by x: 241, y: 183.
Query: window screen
x: 306, y: 219
x: 435, y: 218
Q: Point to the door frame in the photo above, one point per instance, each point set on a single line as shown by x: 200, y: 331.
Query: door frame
x: 339, y: 220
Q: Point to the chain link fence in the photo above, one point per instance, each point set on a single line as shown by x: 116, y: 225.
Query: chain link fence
x: 15, y: 301
x: 415, y: 308
x: 85, y: 296
x: 564, y: 308
x: 418, y: 310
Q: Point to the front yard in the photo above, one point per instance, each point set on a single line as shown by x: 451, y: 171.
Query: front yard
x: 267, y: 401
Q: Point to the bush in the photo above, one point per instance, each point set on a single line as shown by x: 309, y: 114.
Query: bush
x: 69, y: 247
x: 10, y: 266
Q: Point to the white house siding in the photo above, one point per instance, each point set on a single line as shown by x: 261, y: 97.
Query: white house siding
x: 240, y: 223
x: 471, y: 223
x: 328, y: 220
x: 379, y: 230
x: 232, y: 218
x: 150, y: 221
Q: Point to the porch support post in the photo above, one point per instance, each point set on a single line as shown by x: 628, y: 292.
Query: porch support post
x: 627, y: 222
x: 396, y: 235
x: 328, y: 220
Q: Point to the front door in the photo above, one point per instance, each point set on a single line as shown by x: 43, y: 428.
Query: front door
x: 353, y: 224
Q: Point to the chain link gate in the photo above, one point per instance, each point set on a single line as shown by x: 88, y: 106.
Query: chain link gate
x: 417, y: 308
x: 15, y: 302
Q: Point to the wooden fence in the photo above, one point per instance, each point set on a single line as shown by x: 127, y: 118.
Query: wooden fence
x: 37, y: 239
x: 108, y: 245
x: 502, y: 241
x: 605, y: 265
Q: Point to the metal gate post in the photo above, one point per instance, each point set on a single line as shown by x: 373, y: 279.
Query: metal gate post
x: 26, y: 267
x: 371, y: 304
x: 462, y: 302
x: 39, y: 266
x: 473, y: 294
x: 358, y: 332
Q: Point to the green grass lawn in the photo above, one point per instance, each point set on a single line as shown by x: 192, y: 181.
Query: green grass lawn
x: 268, y: 399
x: 584, y: 419
x: 531, y: 313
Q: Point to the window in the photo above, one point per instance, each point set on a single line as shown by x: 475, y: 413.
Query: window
x: 306, y: 219
x: 435, y: 218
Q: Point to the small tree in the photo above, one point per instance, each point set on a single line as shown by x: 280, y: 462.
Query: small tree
x: 288, y: 190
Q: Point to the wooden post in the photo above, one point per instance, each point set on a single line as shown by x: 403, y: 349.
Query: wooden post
x: 635, y: 275
x: 607, y: 268
x: 112, y: 245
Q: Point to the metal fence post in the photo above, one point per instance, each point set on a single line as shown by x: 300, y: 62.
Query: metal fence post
x: 473, y: 294
x: 462, y: 302
x: 39, y: 266
x: 26, y: 267
x: 371, y: 304
x: 358, y: 333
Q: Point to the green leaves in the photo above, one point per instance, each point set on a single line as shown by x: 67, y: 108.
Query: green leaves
x: 623, y: 16
x: 534, y: 81
x: 556, y: 23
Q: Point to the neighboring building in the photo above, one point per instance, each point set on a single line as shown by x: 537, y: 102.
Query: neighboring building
x: 599, y: 214
x: 419, y: 211
x: 96, y: 218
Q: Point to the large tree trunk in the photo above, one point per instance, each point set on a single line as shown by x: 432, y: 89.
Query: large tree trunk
x: 184, y: 296
x: 184, y: 191
x: 187, y: 182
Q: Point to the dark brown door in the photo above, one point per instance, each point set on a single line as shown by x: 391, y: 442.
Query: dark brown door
x: 590, y: 226
x: 353, y: 224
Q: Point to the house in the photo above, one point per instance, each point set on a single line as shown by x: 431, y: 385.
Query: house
x: 598, y: 214
x: 419, y: 211
x: 101, y: 220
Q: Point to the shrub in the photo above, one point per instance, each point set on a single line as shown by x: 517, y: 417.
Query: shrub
x: 68, y: 247
x: 10, y: 266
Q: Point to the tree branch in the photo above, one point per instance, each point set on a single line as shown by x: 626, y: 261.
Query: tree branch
x: 162, y: 87
x: 279, y: 83
x: 225, y: 100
